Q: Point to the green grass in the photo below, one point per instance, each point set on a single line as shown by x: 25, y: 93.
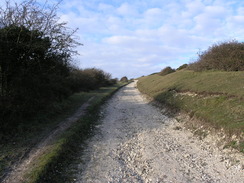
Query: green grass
x: 53, y: 169
x: 15, y: 147
x: 214, y: 97
x: 210, y: 82
x: 12, y: 149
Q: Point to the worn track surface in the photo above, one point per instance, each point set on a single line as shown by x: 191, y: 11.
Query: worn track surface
x: 135, y: 142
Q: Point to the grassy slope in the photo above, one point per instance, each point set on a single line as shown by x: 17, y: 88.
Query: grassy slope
x: 229, y: 83
x: 215, y: 97
x: 13, y: 149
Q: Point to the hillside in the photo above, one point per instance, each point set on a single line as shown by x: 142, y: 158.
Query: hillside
x: 215, y: 98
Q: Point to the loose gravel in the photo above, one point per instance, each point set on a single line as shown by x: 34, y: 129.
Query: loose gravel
x: 135, y: 142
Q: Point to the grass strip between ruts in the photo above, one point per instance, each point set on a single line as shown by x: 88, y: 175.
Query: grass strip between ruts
x: 49, y: 165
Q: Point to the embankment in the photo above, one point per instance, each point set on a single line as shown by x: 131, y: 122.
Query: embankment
x: 215, y: 99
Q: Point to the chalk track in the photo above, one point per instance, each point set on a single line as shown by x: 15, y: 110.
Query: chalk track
x: 136, y: 142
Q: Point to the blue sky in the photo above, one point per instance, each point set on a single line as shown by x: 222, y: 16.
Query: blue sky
x: 140, y: 37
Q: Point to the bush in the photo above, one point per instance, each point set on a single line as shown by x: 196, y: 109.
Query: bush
x: 166, y: 70
x: 100, y: 78
x: 124, y: 79
x: 89, y: 79
x: 35, y: 72
x: 182, y: 67
x: 31, y: 76
x: 35, y: 52
x: 113, y: 81
x: 225, y: 56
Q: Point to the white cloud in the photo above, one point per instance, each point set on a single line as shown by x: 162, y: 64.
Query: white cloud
x: 238, y: 20
x: 194, y: 7
x: 105, y: 7
x: 216, y: 11
x: 126, y: 10
x: 153, y: 12
x: 161, y: 35
x: 137, y: 37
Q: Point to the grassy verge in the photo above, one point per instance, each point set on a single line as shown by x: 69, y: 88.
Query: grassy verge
x: 50, y: 165
x: 14, y: 147
x: 214, y: 97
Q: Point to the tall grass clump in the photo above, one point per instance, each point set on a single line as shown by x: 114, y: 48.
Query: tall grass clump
x: 224, y: 56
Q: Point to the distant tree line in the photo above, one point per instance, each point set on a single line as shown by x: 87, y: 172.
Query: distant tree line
x: 35, y: 63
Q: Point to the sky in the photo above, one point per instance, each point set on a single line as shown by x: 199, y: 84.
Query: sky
x: 139, y: 37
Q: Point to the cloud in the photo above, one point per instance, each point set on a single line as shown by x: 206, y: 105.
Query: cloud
x: 137, y: 37
x: 157, y: 34
x: 216, y: 11
x: 193, y: 8
x: 210, y: 21
x: 152, y: 18
x: 105, y: 7
x: 126, y: 10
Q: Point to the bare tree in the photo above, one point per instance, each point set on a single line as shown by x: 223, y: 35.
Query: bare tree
x: 43, y: 18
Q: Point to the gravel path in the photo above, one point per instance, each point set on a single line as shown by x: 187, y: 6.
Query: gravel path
x: 135, y: 142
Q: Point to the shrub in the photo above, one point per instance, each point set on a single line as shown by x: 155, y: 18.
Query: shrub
x: 31, y: 76
x: 113, y: 81
x: 35, y: 57
x: 124, y: 79
x: 35, y: 51
x: 166, y: 70
x: 80, y: 81
x: 89, y: 79
x: 101, y: 78
x: 182, y: 67
x: 226, y: 56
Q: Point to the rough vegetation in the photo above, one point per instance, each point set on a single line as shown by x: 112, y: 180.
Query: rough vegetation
x: 35, y: 68
x: 89, y: 79
x: 124, y: 79
x: 225, y: 56
x: 166, y: 70
x: 182, y: 67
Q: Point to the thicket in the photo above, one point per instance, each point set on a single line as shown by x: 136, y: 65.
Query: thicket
x: 225, y: 56
x: 89, y: 79
x: 166, y: 70
x: 35, y: 63
x: 124, y: 79
x: 182, y: 67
